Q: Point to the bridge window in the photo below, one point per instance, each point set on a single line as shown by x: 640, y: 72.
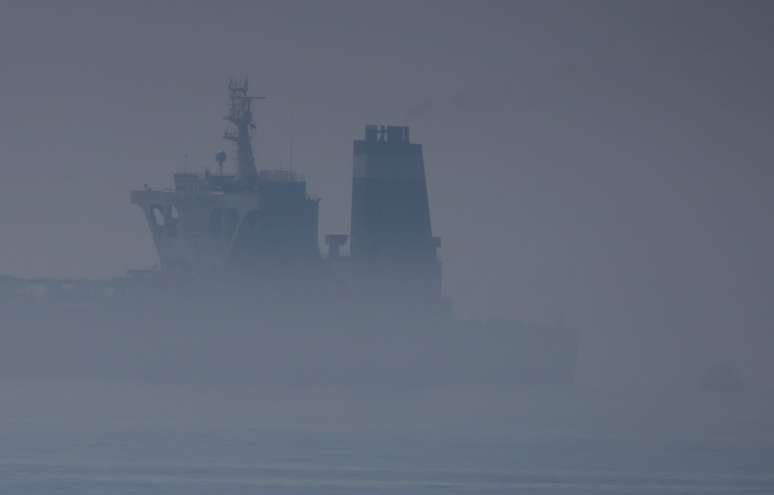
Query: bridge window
x: 158, y: 216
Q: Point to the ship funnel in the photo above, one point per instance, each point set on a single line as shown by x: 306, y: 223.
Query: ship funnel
x: 390, y: 209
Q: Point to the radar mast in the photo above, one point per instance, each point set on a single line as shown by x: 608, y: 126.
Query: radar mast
x: 240, y: 116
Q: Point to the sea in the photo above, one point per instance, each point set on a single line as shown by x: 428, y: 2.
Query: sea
x: 59, y: 437
x: 273, y: 462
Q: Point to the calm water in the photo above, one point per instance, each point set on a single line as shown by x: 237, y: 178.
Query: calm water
x: 348, y: 463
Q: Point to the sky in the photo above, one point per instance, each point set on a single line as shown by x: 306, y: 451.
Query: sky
x: 606, y: 165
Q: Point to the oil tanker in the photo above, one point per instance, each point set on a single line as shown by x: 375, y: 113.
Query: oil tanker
x: 243, y: 291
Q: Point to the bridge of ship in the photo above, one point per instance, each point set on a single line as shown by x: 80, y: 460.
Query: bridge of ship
x: 195, y: 227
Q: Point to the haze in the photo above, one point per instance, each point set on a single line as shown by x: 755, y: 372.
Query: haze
x: 606, y: 165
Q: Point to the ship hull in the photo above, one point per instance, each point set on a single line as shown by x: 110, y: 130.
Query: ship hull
x: 205, y: 342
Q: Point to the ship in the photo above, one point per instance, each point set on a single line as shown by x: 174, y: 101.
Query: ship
x: 244, y: 291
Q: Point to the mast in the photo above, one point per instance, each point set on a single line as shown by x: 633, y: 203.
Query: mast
x: 240, y: 116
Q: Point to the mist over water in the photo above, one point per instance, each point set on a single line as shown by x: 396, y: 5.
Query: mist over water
x: 602, y: 166
x: 184, y: 439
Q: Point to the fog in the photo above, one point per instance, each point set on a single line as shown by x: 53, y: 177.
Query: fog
x: 603, y: 166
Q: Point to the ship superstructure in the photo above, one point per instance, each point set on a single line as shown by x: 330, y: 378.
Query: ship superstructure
x: 262, y: 224
x: 249, y: 220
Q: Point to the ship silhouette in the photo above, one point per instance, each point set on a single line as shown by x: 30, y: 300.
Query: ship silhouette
x: 244, y: 293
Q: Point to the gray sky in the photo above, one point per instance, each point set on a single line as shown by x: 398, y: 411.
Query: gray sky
x: 605, y: 163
